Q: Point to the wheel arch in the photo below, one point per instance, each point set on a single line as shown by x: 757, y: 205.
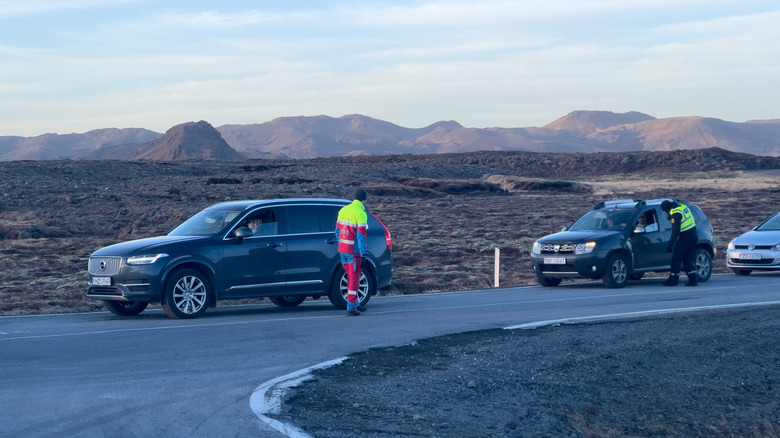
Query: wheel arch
x: 203, y: 268
x: 707, y: 247
x: 622, y: 251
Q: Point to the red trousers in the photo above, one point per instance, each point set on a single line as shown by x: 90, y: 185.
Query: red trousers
x: 352, y: 265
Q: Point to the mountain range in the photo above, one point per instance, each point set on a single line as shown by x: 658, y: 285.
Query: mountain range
x: 324, y: 136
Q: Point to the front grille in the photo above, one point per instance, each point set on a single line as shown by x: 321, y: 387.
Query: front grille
x: 104, y: 265
x: 554, y: 248
x: 757, y: 247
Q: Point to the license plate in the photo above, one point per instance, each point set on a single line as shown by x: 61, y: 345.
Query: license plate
x: 101, y: 281
x: 749, y: 256
x: 555, y: 260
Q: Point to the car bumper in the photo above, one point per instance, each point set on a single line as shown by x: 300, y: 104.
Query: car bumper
x: 584, y: 265
x: 770, y: 260
x: 136, y: 283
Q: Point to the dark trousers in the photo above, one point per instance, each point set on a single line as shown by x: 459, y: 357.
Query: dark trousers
x: 683, y: 251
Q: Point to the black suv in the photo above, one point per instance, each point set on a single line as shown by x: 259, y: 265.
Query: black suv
x: 215, y: 255
x: 607, y: 243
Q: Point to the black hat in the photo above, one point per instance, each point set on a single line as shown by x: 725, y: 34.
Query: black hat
x: 360, y: 195
x: 667, y: 206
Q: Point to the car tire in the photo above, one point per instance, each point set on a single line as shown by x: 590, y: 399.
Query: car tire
x: 547, y: 281
x: 338, y: 289
x: 741, y: 271
x: 702, y: 263
x: 288, y: 300
x: 125, y: 308
x: 616, y: 273
x: 187, y: 294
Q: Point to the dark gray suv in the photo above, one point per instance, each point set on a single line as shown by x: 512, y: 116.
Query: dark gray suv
x: 609, y: 242
x: 288, y: 254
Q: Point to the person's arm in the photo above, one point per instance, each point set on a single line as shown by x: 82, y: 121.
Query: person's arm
x: 676, y: 222
x: 361, y: 236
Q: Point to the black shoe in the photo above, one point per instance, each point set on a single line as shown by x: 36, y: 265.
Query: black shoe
x: 353, y: 313
x: 693, y: 279
x: 361, y: 308
x: 672, y: 280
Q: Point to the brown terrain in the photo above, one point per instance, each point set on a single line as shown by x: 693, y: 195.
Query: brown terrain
x: 707, y: 374
x: 447, y: 213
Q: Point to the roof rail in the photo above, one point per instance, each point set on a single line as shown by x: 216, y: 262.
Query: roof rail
x: 603, y: 204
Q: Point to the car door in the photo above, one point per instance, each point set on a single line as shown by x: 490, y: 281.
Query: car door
x: 312, y: 246
x: 255, y: 266
x: 650, y: 246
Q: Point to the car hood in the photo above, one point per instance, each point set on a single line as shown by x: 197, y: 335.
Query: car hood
x: 758, y: 238
x: 142, y: 246
x: 577, y: 236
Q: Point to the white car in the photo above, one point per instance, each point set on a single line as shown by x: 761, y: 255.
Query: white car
x: 756, y: 250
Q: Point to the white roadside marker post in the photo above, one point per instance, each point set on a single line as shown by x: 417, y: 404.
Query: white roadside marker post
x: 495, y: 269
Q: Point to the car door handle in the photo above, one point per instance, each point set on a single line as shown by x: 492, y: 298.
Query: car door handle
x: 332, y: 240
x: 273, y: 244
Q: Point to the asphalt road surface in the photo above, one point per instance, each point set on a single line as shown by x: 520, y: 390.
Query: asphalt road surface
x: 97, y: 374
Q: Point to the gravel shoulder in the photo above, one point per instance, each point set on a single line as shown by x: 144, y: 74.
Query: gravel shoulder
x: 704, y: 374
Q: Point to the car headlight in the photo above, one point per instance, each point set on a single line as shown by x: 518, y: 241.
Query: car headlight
x: 146, y: 259
x: 584, y: 248
x: 537, y: 248
x: 731, y: 245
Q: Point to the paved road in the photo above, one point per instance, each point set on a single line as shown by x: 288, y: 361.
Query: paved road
x: 96, y: 374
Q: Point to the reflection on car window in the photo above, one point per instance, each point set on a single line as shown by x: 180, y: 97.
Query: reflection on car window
x: 263, y: 222
x: 773, y: 224
x: 611, y: 220
x: 209, y: 222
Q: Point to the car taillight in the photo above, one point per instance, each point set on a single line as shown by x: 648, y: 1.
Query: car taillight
x: 388, y: 238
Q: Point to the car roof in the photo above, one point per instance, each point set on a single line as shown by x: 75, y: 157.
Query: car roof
x: 631, y: 204
x: 253, y: 203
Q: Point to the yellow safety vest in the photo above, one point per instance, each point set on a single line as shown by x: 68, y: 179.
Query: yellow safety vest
x: 687, y: 217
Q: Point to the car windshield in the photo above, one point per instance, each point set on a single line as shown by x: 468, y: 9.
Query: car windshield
x: 602, y: 219
x: 209, y: 222
x: 772, y: 224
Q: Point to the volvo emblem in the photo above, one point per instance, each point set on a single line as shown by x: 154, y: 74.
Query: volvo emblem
x: 102, y: 265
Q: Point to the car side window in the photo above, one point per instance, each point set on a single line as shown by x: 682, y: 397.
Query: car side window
x: 663, y: 220
x: 304, y: 219
x: 651, y: 218
x: 329, y: 214
x: 263, y: 222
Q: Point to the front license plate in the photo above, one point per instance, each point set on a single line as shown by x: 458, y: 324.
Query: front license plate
x: 555, y: 260
x: 749, y: 256
x: 101, y: 281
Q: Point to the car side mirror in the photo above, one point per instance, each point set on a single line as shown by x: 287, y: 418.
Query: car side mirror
x: 242, y: 232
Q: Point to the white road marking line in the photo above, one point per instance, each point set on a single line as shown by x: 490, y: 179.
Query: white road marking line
x: 267, y: 398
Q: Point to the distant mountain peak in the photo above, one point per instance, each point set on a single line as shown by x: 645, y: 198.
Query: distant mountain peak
x: 592, y: 121
x: 190, y: 141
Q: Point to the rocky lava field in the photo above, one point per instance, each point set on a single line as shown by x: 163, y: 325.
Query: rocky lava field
x: 447, y: 213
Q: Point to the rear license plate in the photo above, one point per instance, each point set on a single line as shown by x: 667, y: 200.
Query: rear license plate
x: 101, y: 281
x: 555, y: 260
x: 749, y: 256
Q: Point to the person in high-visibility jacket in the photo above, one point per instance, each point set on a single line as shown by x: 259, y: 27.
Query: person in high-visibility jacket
x: 682, y: 243
x: 352, y: 232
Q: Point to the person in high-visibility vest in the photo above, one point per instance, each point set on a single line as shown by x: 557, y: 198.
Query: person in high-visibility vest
x: 351, y: 230
x: 682, y: 243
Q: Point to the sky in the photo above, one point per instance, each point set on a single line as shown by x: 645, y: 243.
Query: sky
x: 76, y: 65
